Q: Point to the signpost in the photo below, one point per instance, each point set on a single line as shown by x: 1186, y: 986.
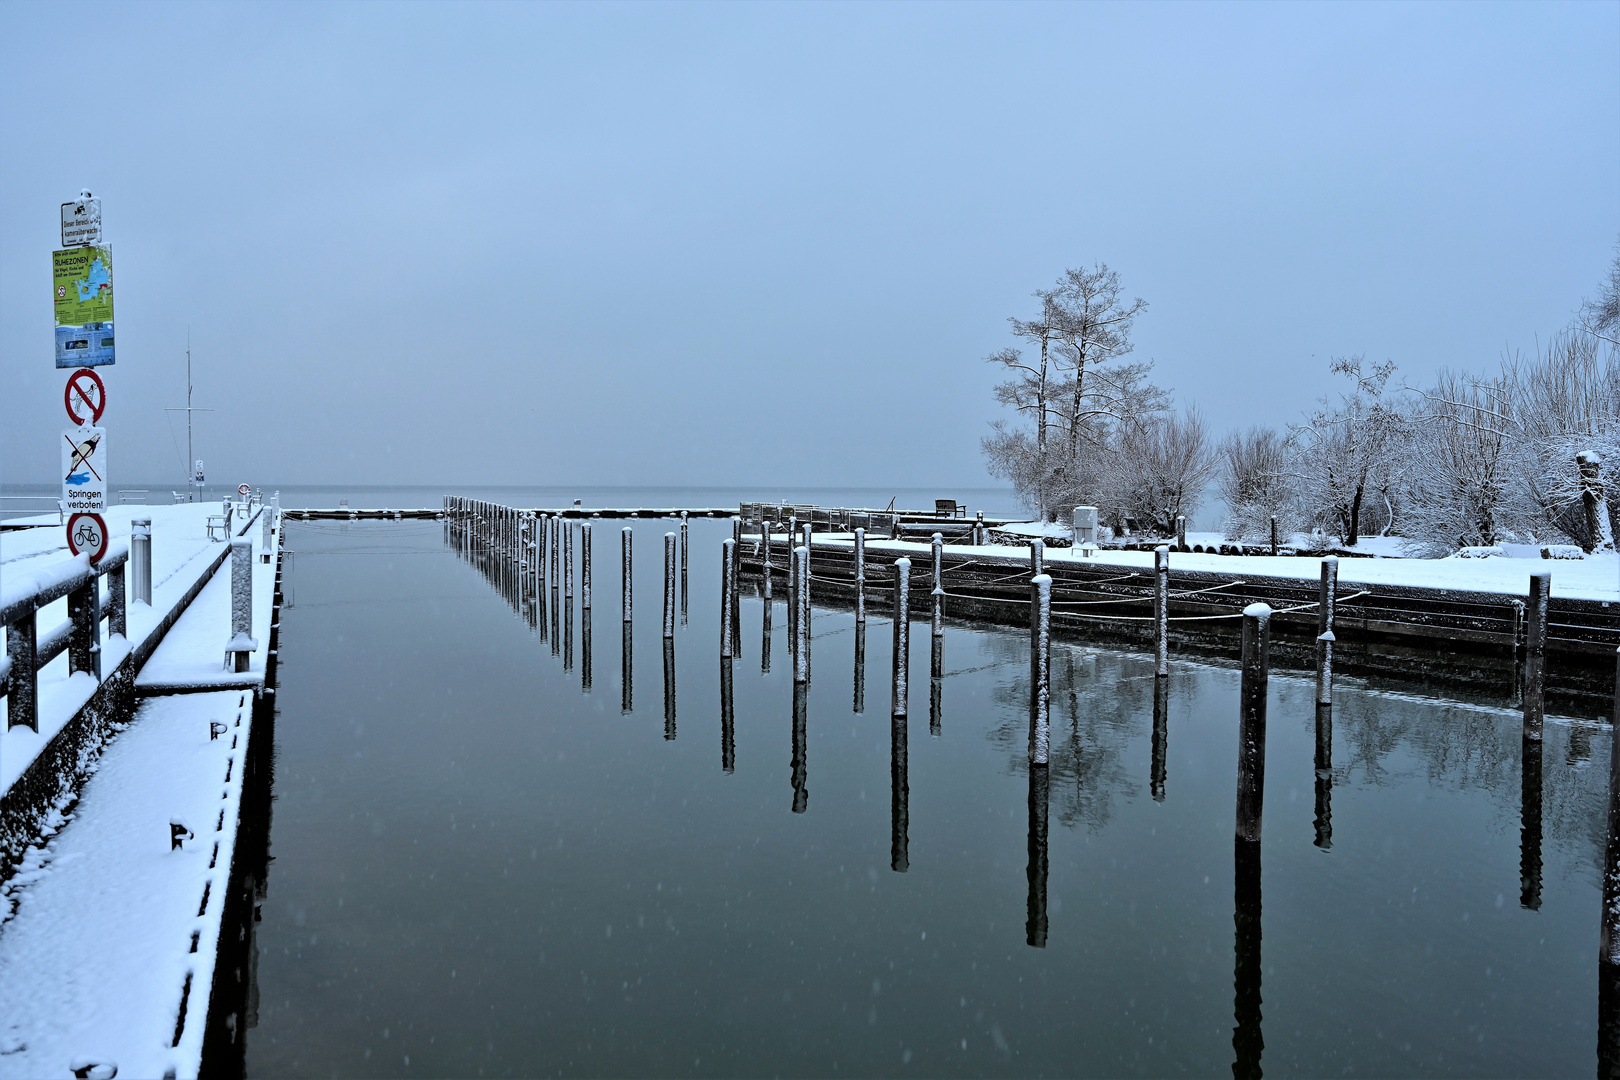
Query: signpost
x: 81, y: 278
x: 87, y: 534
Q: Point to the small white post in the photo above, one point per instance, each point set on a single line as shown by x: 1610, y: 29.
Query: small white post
x: 242, y: 642
x: 140, y: 560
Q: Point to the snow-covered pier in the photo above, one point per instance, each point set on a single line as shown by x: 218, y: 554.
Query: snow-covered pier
x: 120, y: 810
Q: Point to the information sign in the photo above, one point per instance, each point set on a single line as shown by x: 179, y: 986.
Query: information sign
x: 81, y: 222
x: 85, y: 397
x: 82, y: 288
x: 84, y: 470
x: 87, y: 535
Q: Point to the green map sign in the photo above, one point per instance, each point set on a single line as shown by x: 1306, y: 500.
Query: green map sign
x: 82, y: 280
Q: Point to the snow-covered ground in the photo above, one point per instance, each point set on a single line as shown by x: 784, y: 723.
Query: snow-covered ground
x: 109, y: 937
x: 1596, y: 577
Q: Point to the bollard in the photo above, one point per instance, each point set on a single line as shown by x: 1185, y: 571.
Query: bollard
x: 902, y: 635
x: 1181, y: 532
x: 140, y: 560
x: 1040, y: 786
x: 1161, y: 611
x: 1274, y: 535
x: 1535, y: 654
x: 728, y: 721
x: 728, y: 583
x: 860, y: 577
x: 568, y: 561
x: 625, y: 578
x: 585, y: 566
x: 801, y: 621
x: 669, y: 585
x: 978, y: 529
x: 242, y: 642
x: 939, y: 588
x: 1252, y: 721
x: 1037, y: 557
x: 265, y: 541
x: 1040, y: 669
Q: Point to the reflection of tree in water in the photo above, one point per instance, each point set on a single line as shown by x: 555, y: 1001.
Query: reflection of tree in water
x: 1091, y: 730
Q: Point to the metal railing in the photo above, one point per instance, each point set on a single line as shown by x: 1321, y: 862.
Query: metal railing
x: 28, y: 650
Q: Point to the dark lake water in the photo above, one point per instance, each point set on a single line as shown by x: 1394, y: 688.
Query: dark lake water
x: 481, y: 866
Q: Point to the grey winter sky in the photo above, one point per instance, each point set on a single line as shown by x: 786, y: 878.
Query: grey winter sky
x: 758, y: 244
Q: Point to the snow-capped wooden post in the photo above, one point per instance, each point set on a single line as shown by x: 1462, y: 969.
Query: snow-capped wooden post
x: 625, y: 578
x: 568, y: 560
x: 793, y: 598
x: 685, y: 538
x: 1535, y: 654
x: 1161, y: 611
x: 585, y: 566
x: 241, y: 643
x: 1252, y: 720
x: 860, y: 577
x: 939, y: 586
x: 978, y: 529
x: 1274, y: 535
x: 1040, y: 668
x: 1037, y: 557
x: 728, y: 582
x: 269, y: 516
x: 140, y: 560
x: 1181, y: 532
x: 902, y: 635
x: 801, y: 620
x: 765, y: 553
x: 1326, y: 599
x: 669, y: 585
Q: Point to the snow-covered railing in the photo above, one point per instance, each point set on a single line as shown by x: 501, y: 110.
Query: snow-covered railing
x: 28, y: 650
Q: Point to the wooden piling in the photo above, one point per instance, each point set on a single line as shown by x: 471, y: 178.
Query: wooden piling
x: 765, y: 554
x: 801, y: 621
x: 1252, y: 721
x: 1535, y: 654
x: 669, y: 586
x: 1040, y: 669
x: 1161, y: 611
x: 938, y: 594
x: 902, y: 636
x: 568, y: 561
x: 1181, y: 532
x: 585, y: 566
x: 625, y: 578
x: 728, y: 570
x: 1274, y: 535
x: 1037, y: 557
x: 860, y: 577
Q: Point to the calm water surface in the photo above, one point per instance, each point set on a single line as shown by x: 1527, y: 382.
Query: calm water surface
x: 485, y: 866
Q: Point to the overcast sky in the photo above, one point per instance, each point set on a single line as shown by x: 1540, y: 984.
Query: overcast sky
x: 759, y: 244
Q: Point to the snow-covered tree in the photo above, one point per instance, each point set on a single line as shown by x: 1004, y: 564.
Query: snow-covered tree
x: 1350, y: 450
x: 1255, y: 480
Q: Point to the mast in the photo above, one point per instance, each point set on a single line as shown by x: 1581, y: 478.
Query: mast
x: 191, y: 470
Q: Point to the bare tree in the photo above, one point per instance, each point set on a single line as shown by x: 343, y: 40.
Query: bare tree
x: 1601, y: 317
x: 1351, y: 449
x: 1460, y: 481
x: 1161, y: 468
x: 1256, y: 483
x: 1093, y: 326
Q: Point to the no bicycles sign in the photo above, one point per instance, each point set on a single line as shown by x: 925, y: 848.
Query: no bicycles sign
x: 87, y: 535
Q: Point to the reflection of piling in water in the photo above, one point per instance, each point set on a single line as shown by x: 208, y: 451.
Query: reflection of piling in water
x: 902, y: 637
x: 1040, y: 786
x: 669, y: 688
x: 728, y: 720
x: 669, y: 586
x: 860, y: 667
x: 766, y: 609
x: 1535, y: 654
x: 1040, y: 669
x: 936, y: 688
x: 627, y: 669
x: 626, y: 578
x: 556, y: 630
x: 899, y: 797
x: 1252, y: 721
x: 1248, y: 1041
x: 568, y: 635
x: 1609, y: 938
x: 728, y: 587
x: 860, y: 577
x: 800, y: 773
x: 1161, y: 611
x: 1161, y: 737
x: 1324, y: 777
x: 585, y: 650
x: 1530, y: 824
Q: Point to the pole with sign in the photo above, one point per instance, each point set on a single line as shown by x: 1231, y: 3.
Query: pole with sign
x: 81, y: 280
